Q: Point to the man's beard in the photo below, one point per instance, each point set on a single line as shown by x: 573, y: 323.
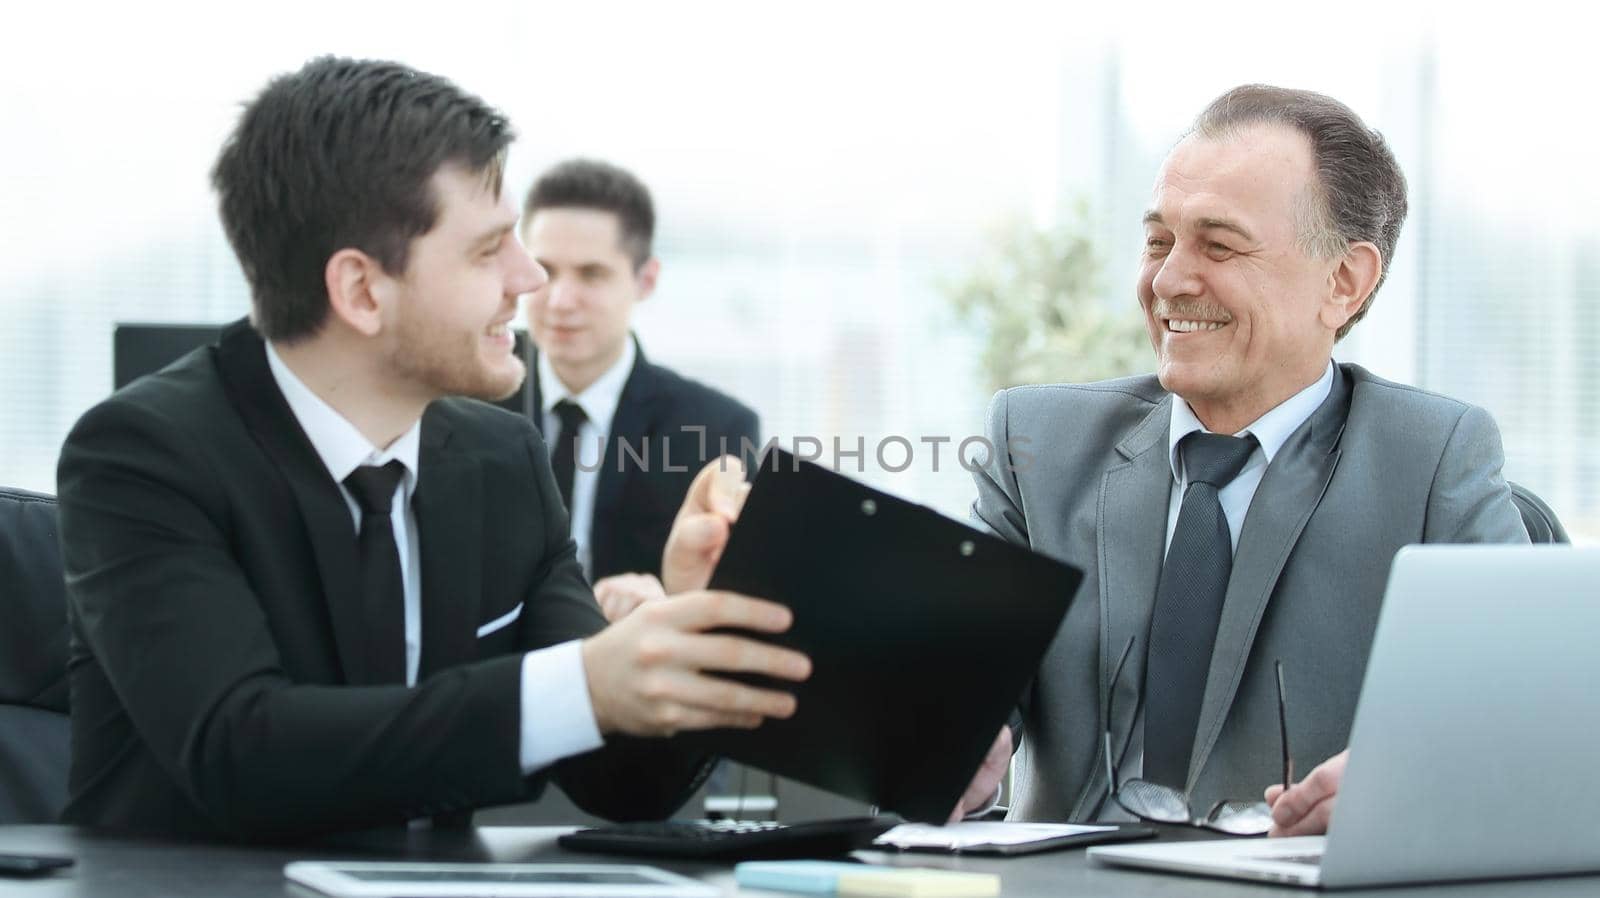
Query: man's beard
x: 450, y: 364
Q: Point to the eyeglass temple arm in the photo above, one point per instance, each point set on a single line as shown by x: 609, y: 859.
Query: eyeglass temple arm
x: 1111, y: 768
x: 1283, y: 730
x: 1105, y: 734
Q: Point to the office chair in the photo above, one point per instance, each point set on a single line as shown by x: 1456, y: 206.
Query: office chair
x: 34, y: 726
x: 1542, y: 523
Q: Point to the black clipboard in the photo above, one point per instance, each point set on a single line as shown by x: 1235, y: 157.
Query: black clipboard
x: 923, y: 633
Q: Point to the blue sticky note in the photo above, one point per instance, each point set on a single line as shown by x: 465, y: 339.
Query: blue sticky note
x: 810, y: 877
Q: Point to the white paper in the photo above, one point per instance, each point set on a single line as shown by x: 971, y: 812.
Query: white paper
x: 973, y: 833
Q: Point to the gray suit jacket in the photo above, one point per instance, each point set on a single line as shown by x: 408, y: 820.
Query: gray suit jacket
x: 1086, y: 479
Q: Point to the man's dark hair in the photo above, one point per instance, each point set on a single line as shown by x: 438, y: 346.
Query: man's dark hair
x: 1360, y: 192
x: 340, y: 155
x: 592, y: 184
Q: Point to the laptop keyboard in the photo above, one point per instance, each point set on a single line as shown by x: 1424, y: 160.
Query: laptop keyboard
x: 731, y: 839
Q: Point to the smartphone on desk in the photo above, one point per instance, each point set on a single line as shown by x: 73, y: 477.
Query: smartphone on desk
x: 21, y: 865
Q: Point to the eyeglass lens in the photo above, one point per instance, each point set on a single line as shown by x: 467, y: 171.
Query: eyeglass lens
x: 1166, y: 804
x: 1240, y: 818
x: 1153, y: 801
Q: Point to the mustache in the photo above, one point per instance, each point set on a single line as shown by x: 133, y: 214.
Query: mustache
x: 1190, y: 311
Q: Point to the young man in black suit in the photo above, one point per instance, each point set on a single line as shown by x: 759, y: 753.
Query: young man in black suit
x: 642, y: 431
x: 307, y: 591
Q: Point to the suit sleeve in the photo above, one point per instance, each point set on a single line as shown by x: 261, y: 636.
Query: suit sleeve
x: 628, y: 778
x: 727, y: 433
x: 171, y: 617
x: 1469, y: 501
x: 998, y: 509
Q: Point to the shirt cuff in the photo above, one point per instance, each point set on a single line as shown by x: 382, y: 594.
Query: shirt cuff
x: 557, y: 719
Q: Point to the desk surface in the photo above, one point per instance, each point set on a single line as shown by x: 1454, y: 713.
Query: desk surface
x: 120, y: 867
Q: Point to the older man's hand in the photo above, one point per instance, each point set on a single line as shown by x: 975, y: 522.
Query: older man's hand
x: 1305, y: 808
x: 700, y: 531
x: 985, y: 783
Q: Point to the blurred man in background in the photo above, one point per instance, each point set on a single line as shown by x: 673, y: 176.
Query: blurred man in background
x: 626, y: 435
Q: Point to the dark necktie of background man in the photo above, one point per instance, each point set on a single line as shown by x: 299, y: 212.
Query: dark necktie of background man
x: 564, y: 457
x: 383, y: 588
x: 1183, y: 624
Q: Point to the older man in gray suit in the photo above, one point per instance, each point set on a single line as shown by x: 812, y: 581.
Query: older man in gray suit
x: 1242, y: 505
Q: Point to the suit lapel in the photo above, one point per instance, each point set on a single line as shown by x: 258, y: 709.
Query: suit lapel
x: 447, y: 506
x: 329, y: 527
x: 1130, y: 533
x: 1288, y: 495
x: 632, y: 422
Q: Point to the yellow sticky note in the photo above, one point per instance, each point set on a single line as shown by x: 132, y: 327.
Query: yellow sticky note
x: 918, y: 882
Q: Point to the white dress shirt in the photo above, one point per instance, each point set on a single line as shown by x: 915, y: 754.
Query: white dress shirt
x: 557, y: 718
x: 1271, y: 431
x: 599, y: 403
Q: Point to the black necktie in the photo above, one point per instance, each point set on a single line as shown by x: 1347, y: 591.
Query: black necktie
x: 384, y: 590
x: 1183, y: 625
x: 564, y: 457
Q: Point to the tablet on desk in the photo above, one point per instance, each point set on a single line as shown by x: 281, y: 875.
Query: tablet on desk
x: 363, y: 879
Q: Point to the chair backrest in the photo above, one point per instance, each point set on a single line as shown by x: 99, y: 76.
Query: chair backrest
x: 34, y: 726
x: 1542, y: 523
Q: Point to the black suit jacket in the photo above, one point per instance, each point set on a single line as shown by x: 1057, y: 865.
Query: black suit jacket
x: 217, y: 657
x: 636, y: 501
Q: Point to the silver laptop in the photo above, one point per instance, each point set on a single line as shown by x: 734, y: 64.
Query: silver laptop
x: 1474, y: 746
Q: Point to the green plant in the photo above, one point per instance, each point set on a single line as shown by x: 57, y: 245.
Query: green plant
x: 1036, y: 294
